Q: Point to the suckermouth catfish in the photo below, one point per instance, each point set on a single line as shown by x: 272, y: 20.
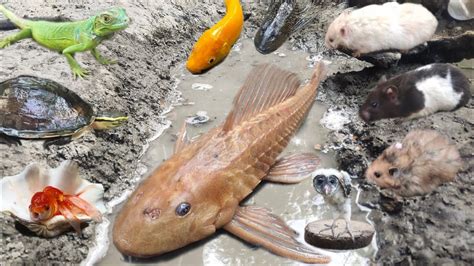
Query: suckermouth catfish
x: 284, y: 17
x: 199, y: 188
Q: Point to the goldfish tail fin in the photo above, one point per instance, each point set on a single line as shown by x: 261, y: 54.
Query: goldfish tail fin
x: 89, y: 210
x: 266, y: 86
x: 258, y: 226
x: 70, y: 217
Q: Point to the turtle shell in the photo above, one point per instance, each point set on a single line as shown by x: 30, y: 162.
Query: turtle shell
x: 32, y: 107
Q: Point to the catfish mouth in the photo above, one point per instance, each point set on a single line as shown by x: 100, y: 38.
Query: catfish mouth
x: 264, y: 50
x: 267, y: 47
x: 140, y: 243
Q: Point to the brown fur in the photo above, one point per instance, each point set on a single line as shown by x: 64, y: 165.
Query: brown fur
x: 424, y: 160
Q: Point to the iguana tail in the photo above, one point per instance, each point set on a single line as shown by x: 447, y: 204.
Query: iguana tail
x: 21, y: 23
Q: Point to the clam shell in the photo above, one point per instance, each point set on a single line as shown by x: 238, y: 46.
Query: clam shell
x: 461, y: 9
x: 17, y: 191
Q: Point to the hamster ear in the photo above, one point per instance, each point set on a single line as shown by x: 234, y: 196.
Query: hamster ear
x: 382, y: 79
x: 392, y: 94
x: 394, y: 172
x: 347, y: 11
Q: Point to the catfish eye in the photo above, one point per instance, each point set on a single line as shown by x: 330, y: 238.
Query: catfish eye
x: 374, y: 104
x: 377, y: 174
x: 212, y: 60
x: 183, y: 209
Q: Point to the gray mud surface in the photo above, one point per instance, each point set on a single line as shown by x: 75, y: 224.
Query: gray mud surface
x: 434, y: 229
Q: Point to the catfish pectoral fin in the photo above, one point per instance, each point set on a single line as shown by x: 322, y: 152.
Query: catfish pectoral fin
x: 260, y: 227
x: 292, y: 169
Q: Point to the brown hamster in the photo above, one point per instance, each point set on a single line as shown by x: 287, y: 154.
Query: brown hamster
x: 420, y: 163
x: 381, y: 27
x: 423, y: 91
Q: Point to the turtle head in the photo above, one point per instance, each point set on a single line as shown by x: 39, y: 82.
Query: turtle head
x: 110, y: 21
x: 109, y: 119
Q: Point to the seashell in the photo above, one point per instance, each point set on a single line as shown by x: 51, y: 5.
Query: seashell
x: 17, y: 191
x: 201, y: 117
x: 461, y: 9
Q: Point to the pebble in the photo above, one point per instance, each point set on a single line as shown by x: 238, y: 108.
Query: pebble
x: 318, y: 237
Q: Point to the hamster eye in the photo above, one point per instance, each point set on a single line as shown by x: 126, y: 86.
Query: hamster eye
x: 183, y: 209
x: 331, y: 40
x: 374, y: 104
x: 212, y: 60
x: 377, y: 174
x: 35, y: 214
x: 46, y: 208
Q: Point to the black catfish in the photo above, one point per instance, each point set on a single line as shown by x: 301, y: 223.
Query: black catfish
x: 284, y: 17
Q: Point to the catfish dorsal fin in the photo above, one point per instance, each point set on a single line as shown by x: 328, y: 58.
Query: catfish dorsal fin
x: 265, y: 86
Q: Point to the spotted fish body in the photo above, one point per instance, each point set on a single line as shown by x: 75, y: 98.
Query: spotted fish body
x: 213, y: 174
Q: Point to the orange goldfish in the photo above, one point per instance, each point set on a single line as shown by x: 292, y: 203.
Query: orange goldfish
x: 198, y: 190
x: 52, y: 201
x: 215, y: 43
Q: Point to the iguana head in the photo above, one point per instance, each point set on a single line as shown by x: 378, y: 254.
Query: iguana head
x: 110, y: 21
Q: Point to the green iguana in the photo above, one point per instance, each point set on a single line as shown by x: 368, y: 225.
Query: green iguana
x: 70, y: 37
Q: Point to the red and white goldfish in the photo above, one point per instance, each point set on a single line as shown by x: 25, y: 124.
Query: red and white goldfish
x: 51, y: 202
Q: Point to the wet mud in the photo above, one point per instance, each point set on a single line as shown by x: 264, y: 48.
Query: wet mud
x: 434, y: 229
x: 296, y: 204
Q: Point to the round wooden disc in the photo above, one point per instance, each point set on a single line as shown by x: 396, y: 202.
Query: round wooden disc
x: 318, y: 237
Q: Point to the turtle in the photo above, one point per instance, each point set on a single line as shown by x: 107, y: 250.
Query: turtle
x: 39, y: 108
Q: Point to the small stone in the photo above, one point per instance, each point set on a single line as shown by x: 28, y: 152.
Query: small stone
x: 317, y: 235
x: 317, y: 147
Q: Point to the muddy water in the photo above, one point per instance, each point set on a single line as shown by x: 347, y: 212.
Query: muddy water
x: 212, y: 94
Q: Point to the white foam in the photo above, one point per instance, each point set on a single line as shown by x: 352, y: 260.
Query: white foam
x: 335, y: 119
x: 201, y: 87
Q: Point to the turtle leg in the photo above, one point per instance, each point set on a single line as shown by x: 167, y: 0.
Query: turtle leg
x: 9, y: 140
x: 57, y: 141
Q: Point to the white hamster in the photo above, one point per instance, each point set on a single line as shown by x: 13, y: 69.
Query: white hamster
x: 381, y: 27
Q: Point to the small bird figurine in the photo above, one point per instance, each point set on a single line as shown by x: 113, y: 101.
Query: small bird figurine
x: 335, y: 187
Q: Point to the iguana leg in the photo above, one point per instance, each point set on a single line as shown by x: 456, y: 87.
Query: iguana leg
x: 100, y: 58
x: 23, y: 34
x: 69, y: 52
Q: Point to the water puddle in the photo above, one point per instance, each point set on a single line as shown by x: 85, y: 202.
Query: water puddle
x: 206, y: 100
